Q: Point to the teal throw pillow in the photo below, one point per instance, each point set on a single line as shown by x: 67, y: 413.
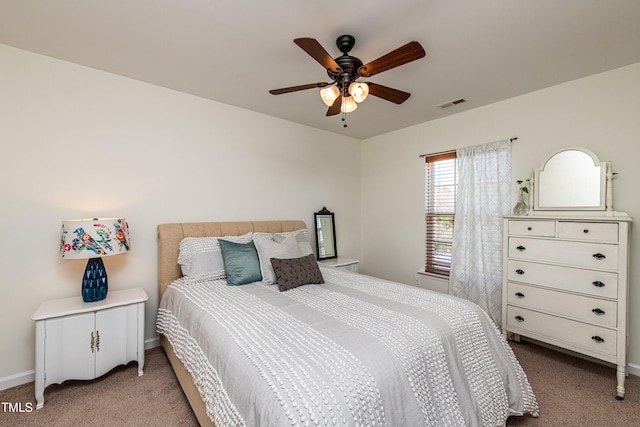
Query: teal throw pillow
x: 241, y: 262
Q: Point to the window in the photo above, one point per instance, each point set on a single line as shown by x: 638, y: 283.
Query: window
x: 441, y: 181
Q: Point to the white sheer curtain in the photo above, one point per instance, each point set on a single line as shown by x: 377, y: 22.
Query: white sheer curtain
x: 484, y: 196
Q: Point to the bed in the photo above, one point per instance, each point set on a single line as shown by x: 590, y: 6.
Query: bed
x: 354, y: 350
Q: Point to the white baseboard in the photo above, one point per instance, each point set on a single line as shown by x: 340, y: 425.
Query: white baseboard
x: 29, y: 376
x: 17, y: 379
x: 152, y: 343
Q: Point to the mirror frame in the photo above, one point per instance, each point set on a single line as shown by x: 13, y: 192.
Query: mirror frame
x: 604, y: 181
x: 325, y: 214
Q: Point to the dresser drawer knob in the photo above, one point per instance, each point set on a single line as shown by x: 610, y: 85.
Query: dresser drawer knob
x: 585, y: 231
x: 519, y: 294
x: 529, y: 228
x: 598, y: 311
x: 518, y: 271
x: 599, y: 256
x: 597, y: 339
x: 598, y: 284
x: 522, y: 248
x: 519, y: 318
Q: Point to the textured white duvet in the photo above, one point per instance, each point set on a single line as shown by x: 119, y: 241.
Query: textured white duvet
x: 353, y: 351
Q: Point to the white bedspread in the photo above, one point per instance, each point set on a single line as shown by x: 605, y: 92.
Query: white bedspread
x: 354, y: 351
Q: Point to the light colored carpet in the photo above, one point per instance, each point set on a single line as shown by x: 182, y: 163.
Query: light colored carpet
x: 575, y: 392
x: 570, y: 392
x: 119, y: 398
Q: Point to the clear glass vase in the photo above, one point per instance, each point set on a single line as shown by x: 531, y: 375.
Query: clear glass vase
x: 521, y: 207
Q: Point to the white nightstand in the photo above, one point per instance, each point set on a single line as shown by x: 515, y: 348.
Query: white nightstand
x: 82, y: 341
x: 348, y: 264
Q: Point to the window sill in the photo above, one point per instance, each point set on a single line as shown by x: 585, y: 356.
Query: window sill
x: 434, y: 275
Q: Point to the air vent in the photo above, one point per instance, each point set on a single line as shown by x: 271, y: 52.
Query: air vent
x: 452, y: 103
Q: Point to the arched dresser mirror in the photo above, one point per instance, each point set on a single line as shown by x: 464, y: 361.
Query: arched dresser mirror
x: 566, y: 265
x: 572, y: 179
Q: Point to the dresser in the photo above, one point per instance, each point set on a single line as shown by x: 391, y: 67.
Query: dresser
x: 565, y: 282
x: 82, y: 341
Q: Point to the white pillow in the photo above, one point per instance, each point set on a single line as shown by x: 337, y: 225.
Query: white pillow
x: 201, y: 257
x: 268, y: 248
x: 302, y: 238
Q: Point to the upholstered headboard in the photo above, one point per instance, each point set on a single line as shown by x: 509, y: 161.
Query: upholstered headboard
x: 170, y: 235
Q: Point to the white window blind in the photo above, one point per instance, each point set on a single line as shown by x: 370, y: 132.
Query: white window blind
x: 440, y: 205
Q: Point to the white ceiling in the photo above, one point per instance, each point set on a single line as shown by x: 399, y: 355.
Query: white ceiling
x: 234, y: 51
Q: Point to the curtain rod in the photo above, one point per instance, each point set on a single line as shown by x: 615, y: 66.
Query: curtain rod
x: 448, y: 151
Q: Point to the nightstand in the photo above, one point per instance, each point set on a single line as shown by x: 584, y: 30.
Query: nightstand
x: 348, y: 264
x: 82, y: 341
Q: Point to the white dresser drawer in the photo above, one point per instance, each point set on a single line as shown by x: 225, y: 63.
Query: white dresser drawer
x: 532, y: 228
x: 590, y: 282
x: 580, y: 254
x: 593, y: 231
x: 588, y: 309
x: 594, y: 340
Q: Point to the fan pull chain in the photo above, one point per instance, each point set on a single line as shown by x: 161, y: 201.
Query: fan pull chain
x: 344, y: 114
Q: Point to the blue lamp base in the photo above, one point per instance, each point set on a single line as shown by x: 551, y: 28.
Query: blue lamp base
x: 94, y: 282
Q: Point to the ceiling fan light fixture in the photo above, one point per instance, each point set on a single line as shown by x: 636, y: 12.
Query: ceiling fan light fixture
x: 348, y: 104
x: 329, y: 94
x: 359, y: 91
x: 343, y: 92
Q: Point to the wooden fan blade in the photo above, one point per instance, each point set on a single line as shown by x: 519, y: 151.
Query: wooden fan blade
x: 335, y: 108
x: 317, y: 52
x: 407, y: 53
x: 297, y: 88
x: 394, y: 95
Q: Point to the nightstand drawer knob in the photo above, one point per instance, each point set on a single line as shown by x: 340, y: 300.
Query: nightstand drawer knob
x: 599, y: 256
x: 519, y: 318
x: 597, y: 339
x: 598, y: 284
x: 519, y: 294
x: 529, y: 228
x: 585, y: 231
x: 519, y: 271
x: 597, y: 311
x: 522, y: 248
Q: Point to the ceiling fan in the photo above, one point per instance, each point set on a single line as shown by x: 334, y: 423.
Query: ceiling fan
x: 344, y: 92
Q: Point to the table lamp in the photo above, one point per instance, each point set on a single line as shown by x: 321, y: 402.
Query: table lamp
x: 93, y: 239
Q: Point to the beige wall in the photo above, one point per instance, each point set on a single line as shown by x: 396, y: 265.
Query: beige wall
x: 601, y: 112
x: 78, y: 142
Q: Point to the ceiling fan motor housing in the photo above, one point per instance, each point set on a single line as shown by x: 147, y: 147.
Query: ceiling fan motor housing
x: 350, y: 64
x: 350, y: 69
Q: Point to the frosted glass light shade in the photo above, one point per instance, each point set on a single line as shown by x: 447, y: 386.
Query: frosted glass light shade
x: 359, y: 91
x: 348, y: 105
x: 329, y: 94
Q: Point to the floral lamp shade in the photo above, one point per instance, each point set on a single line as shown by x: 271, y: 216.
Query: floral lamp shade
x: 93, y: 239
